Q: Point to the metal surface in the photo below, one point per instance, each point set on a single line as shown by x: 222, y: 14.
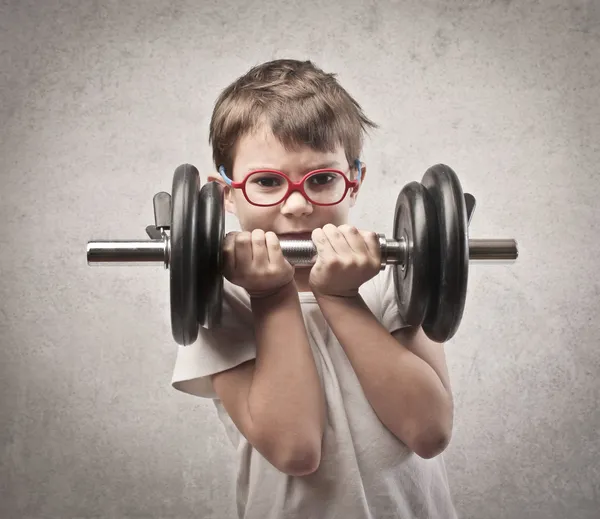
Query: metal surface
x: 493, y: 250
x: 127, y: 252
x: 301, y: 253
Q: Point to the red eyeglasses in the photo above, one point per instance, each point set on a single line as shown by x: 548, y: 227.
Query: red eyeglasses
x: 269, y: 187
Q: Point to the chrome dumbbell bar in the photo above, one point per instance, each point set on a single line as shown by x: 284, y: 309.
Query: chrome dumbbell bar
x: 301, y: 253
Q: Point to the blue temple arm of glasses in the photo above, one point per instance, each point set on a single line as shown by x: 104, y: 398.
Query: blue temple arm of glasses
x: 359, y: 168
x: 225, y: 177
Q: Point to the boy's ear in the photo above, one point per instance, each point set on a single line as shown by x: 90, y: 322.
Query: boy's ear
x: 227, y: 191
x: 354, y: 193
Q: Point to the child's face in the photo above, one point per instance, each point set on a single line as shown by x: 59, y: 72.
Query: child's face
x: 261, y: 150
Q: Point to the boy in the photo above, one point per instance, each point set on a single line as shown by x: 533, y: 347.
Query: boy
x: 336, y: 408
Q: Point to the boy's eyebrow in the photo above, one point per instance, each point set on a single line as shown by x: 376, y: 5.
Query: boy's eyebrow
x: 324, y: 165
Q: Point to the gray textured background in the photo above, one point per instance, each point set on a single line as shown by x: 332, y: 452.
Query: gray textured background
x: 101, y: 100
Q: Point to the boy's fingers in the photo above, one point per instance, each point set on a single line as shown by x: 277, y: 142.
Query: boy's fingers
x: 337, y: 239
x: 229, y: 252
x: 243, y: 248
x: 273, y: 248
x: 321, y: 242
x: 260, y: 256
x: 354, y: 238
x: 371, y: 241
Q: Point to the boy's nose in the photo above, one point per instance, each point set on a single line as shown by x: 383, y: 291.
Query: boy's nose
x: 296, y: 204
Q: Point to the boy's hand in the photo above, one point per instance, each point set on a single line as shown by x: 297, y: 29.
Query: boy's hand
x: 254, y: 261
x: 346, y: 259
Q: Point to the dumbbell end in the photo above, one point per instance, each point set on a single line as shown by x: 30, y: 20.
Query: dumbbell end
x: 127, y: 253
x: 501, y: 250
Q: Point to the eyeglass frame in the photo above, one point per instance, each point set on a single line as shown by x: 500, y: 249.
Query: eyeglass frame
x: 294, y: 186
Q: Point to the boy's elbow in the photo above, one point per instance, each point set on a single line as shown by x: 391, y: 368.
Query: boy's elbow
x: 297, y: 457
x: 302, y: 460
x: 432, y: 444
x: 433, y: 437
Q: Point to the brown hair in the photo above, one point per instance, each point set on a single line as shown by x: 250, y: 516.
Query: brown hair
x: 301, y: 105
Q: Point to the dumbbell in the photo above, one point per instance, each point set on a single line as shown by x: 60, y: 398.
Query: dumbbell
x: 429, y: 251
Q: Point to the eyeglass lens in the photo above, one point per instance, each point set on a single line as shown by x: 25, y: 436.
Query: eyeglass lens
x: 267, y: 188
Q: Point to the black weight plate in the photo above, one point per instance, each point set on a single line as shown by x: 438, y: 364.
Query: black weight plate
x: 412, y: 219
x: 447, y: 305
x: 211, y: 232
x: 184, y: 254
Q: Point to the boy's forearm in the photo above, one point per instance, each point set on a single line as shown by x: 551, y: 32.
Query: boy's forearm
x: 405, y: 392
x: 286, y: 395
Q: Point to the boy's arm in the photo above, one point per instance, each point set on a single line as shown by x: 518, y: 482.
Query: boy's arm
x: 404, y: 374
x: 276, y: 400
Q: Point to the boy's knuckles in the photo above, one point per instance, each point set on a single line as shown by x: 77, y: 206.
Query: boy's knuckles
x: 243, y: 238
x: 274, y: 246
x: 336, y: 263
x: 356, y: 264
x: 348, y: 229
x: 274, y: 270
x: 361, y: 263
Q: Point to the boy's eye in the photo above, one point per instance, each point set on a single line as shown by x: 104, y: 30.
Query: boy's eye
x: 324, y: 179
x: 320, y: 179
x: 267, y: 180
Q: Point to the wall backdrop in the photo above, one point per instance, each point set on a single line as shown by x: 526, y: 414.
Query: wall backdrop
x: 100, y: 101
